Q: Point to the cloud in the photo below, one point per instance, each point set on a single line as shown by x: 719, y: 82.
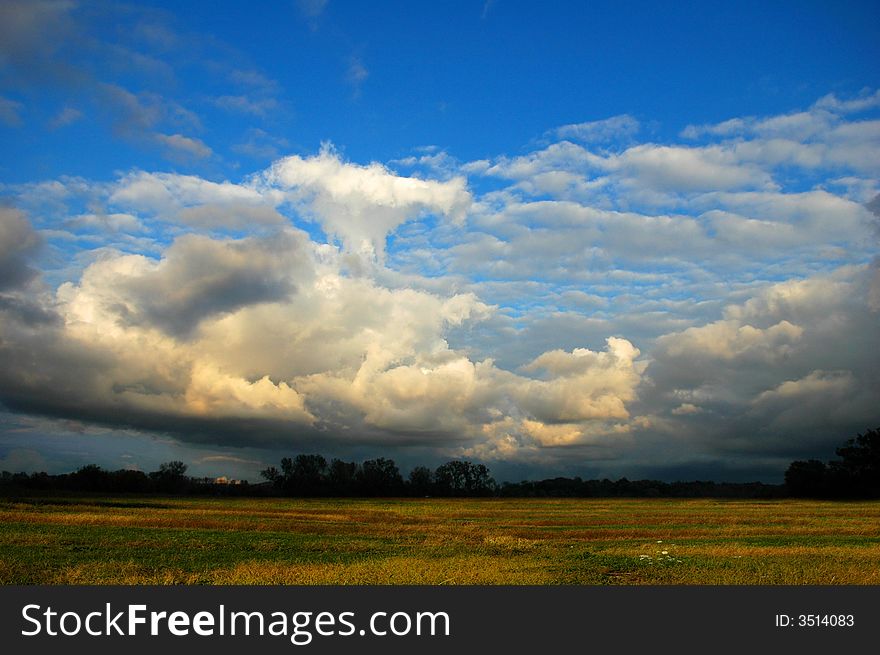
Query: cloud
x: 253, y: 79
x: 10, y: 112
x: 361, y: 205
x: 230, y: 216
x: 67, y: 116
x: 259, y: 144
x: 166, y: 195
x: 179, y: 145
x: 133, y: 113
x: 618, y: 306
x: 582, y: 384
x: 18, y: 242
x: 687, y: 169
x: 789, y: 370
x: 242, y: 104
x: 730, y: 339
x: 139, y: 117
x: 312, y: 8
x: 197, y: 278
x: 623, y: 126
x: 268, y: 333
x: 816, y: 385
x: 356, y: 73
x: 31, y: 34
x: 866, y: 100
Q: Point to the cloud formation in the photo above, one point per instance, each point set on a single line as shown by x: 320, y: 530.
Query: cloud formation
x: 361, y: 205
x: 597, y: 302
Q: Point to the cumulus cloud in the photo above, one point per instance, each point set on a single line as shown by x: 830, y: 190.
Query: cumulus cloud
x: 197, y: 278
x: 737, y: 274
x: 269, y: 333
x: 790, y: 370
x: 361, y: 205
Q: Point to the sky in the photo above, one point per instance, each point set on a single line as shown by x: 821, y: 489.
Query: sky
x: 601, y: 239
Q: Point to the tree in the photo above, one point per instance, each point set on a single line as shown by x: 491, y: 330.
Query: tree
x: 304, y: 475
x: 171, y: 476
x: 341, y: 477
x: 462, y: 478
x: 421, y: 481
x: 273, y: 475
x: 90, y: 478
x: 173, y: 470
x: 857, y: 473
x: 379, y: 477
x: 807, y: 479
x: 309, y: 474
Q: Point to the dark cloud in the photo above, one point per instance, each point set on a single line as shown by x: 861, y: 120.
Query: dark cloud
x: 31, y: 35
x: 198, y: 278
x: 18, y: 241
x: 790, y: 373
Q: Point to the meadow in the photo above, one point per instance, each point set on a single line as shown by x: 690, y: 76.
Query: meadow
x: 151, y: 540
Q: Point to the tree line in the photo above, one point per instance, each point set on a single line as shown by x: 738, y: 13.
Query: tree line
x: 312, y: 475
x: 856, y: 474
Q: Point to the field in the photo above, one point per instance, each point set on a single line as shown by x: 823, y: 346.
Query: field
x: 148, y: 540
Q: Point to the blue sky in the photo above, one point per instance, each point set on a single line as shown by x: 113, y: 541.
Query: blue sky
x: 594, y: 239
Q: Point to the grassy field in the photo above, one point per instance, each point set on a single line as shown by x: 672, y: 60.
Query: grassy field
x: 140, y: 540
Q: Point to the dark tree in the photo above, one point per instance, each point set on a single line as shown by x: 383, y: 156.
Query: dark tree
x: 421, y: 481
x: 273, y: 475
x: 130, y: 480
x: 807, y: 479
x: 857, y: 473
x: 342, y: 477
x: 171, y: 476
x: 90, y: 478
x: 379, y: 477
x: 304, y: 475
x: 310, y: 474
x: 462, y: 478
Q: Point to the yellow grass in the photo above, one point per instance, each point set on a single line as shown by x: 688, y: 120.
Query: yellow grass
x: 137, y: 540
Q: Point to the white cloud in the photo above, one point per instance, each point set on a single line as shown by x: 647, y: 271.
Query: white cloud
x: 730, y: 339
x: 178, y: 144
x: 361, y: 205
x: 670, y: 168
x: 818, y: 384
x: 609, y: 129
x: 166, y: 194
x: 866, y: 100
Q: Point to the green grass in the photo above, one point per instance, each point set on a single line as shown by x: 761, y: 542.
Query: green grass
x: 148, y: 540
